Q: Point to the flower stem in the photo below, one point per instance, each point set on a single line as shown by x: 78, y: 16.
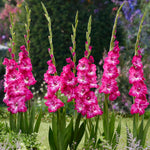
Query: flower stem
x: 106, y: 118
x: 13, y: 39
x: 135, y: 125
x: 51, y: 52
x: 27, y: 26
x: 139, y: 32
x: 114, y: 28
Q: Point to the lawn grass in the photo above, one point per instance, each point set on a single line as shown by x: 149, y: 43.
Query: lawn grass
x: 43, y: 133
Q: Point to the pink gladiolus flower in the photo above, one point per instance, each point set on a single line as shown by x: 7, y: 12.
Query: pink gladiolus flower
x: 68, y: 81
x: 53, y: 86
x: 90, y: 98
x: 82, y: 78
x: 29, y: 78
x: 80, y: 106
x: 139, y: 89
x: 136, y: 61
x: 93, y: 111
x: 111, y: 71
x: 82, y: 90
x: 83, y: 64
x: 139, y: 107
x: 54, y: 103
x: 114, y: 95
x: 86, y: 100
x: 109, y: 84
x: 18, y: 76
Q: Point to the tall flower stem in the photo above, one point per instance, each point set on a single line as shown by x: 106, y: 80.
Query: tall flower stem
x: 109, y: 128
x: 12, y: 117
x: 114, y: 29
x: 27, y: 27
x: 136, y: 116
x: 50, y: 37
x: 27, y: 39
x: 73, y: 39
x: 12, y: 39
x: 139, y: 32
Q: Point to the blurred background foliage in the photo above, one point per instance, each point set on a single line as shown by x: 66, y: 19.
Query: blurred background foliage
x: 62, y: 13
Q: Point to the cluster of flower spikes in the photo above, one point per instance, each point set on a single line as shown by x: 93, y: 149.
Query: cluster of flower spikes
x: 68, y: 80
x: 109, y: 83
x: 18, y: 78
x: 139, y: 89
x: 53, y: 85
x: 86, y: 101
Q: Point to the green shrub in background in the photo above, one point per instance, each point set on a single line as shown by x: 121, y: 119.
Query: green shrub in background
x: 62, y: 15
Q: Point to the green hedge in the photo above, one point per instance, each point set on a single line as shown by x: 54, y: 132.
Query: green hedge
x: 62, y: 14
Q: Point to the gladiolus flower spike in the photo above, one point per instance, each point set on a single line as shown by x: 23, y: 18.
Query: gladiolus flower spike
x: 86, y: 100
x: 109, y: 83
x: 136, y: 78
x: 139, y: 89
x: 18, y: 78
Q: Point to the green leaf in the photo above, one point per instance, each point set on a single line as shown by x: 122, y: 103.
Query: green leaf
x: 96, y: 127
x: 31, y: 119
x: 86, y: 137
x: 12, y: 121
x: 145, y: 132
x: 92, y: 133
x: 67, y: 135
x: 18, y: 121
x: 54, y: 128
x: 22, y: 127
x: 80, y: 134
x: 116, y: 136
x: 111, y: 127
x: 60, y: 129
x: 51, y: 140
x: 140, y: 132
x: 38, y: 122
x: 128, y: 135
x: 76, y: 129
x: 77, y: 123
x: 26, y: 121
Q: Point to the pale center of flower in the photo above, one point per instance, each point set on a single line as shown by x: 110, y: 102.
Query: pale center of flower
x: 88, y: 98
x: 138, y: 89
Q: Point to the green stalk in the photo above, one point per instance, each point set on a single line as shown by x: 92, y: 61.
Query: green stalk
x: 135, y: 125
x: 13, y: 39
x: 59, y: 130
x: 13, y: 117
x: 51, y: 52
x: 139, y: 32
x: 27, y: 39
x: 73, y: 38
x: 27, y: 26
x: 88, y: 38
x: 106, y: 117
x: 114, y: 29
x: 106, y: 100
